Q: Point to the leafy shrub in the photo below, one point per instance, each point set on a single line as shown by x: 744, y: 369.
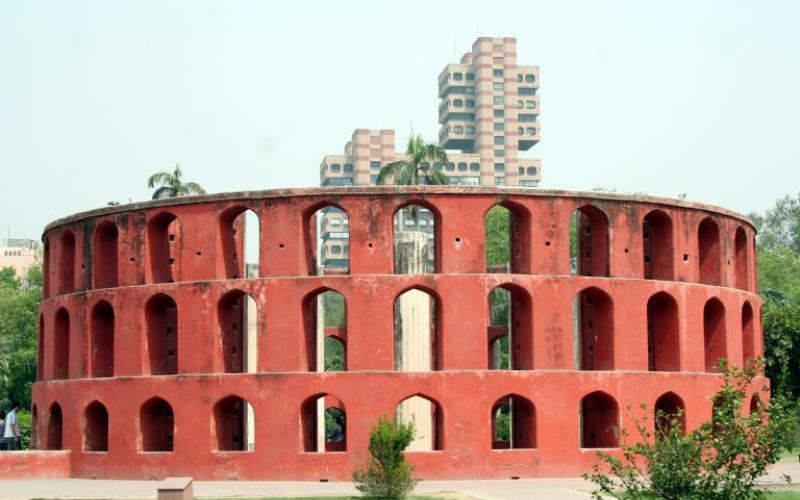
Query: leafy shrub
x: 386, y: 474
x: 721, y: 459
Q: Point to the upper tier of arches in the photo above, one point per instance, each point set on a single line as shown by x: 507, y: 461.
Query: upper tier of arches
x: 591, y: 234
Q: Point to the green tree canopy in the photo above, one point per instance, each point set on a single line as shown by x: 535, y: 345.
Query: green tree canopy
x: 418, y: 168
x: 171, y: 185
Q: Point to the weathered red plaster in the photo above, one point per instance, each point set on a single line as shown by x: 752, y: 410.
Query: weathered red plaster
x: 175, y: 266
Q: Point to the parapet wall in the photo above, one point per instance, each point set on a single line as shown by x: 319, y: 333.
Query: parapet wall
x: 145, y: 373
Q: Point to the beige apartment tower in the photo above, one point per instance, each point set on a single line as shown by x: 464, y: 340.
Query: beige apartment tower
x: 488, y: 116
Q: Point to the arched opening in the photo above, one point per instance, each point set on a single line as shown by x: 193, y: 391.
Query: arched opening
x: 428, y: 420
x: 593, y: 330
x: 588, y: 237
x: 755, y: 403
x: 164, y: 244
x: 46, y: 267
x: 416, y: 240
x: 741, y: 258
x: 416, y: 331
x: 104, y: 256
x: 95, y: 437
x: 102, y: 334
x: 669, y: 410
x: 657, y: 241
x: 507, y: 239
x: 325, y: 316
x: 327, y: 240
x: 161, y: 320
x: 513, y: 423
x: 709, y: 252
x: 323, y: 424
x: 234, y: 425
x: 40, y: 353
x: 237, y: 314
x: 511, y: 328
x: 240, y: 237
x: 61, y: 335
x: 55, y: 425
x: 748, y: 338
x: 156, y: 425
x: 663, y: 344
x: 599, y: 421
x: 66, y: 268
x: 714, y: 340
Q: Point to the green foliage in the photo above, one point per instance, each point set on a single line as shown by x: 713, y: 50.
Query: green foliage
x: 334, y: 355
x: 19, y: 317
x: 333, y: 305
x: 171, y: 185
x: 498, y: 241
x: 386, y: 473
x: 721, y: 459
x: 779, y: 283
x: 502, y: 424
x: 418, y: 168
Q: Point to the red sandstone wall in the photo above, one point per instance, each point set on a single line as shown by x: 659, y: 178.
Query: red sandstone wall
x: 463, y: 388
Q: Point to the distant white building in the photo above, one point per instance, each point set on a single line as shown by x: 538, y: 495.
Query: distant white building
x: 19, y: 254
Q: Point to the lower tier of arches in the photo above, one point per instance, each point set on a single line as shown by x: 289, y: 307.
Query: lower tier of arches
x: 270, y: 427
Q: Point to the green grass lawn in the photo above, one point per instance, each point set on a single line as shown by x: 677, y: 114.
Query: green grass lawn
x: 784, y: 495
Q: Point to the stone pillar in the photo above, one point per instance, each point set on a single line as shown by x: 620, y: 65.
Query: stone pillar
x: 251, y: 341
x: 413, y: 334
x: 320, y: 368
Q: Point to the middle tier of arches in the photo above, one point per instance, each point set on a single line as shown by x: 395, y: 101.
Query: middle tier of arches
x: 561, y: 323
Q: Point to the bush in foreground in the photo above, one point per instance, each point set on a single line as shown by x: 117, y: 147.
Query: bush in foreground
x: 721, y: 459
x: 386, y: 474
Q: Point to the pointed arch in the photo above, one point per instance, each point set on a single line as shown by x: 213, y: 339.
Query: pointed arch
x: 668, y: 409
x: 510, y: 329
x: 235, y: 235
x: 61, y: 341
x: 749, y: 351
x: 417, y: 238
x: 326, y: 233
x: 709, y: 252
x: 66, y: 268
x: 234, y: 424
x: 156, y: 426
x: 589, y: 241
x: 741, y: 259
x: 714, y: 335
x: 102, y: 338
x: 324, y: 315
x: 95, y: 427
x: 55, y: 424
x: 513, y: 423
x: 417, y: 330
x: 163, y: 239
x: 663, y: 338
x: 599, y: 421
x: 658, y: 245
x: 593, y: 329
x: 105, y: 244
x: 507, y: 238
x: 428, y: 418
x: 237, y: 315
x: 161, y: 323
x: 323, y: 420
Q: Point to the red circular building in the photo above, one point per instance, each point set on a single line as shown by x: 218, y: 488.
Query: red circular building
x: 159, y: 357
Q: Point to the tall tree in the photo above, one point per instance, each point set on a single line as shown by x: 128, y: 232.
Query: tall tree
x: 418, y: 168
x: 171, y: 185
x: 779, y: 284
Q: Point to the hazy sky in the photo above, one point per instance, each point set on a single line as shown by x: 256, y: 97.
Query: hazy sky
x: 701, y: 97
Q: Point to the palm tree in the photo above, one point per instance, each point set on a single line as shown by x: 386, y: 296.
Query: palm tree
x: 417, y: 168
x: 171, y: 186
